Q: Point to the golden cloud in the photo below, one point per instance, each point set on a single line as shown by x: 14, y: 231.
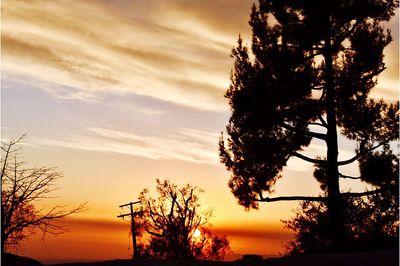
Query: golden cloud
x: 175, y: 51
x: 188, y: 145
x: 91, y: 49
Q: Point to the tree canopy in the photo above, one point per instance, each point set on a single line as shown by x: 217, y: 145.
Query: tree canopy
x: 308, y: 75
x: 173, y: 226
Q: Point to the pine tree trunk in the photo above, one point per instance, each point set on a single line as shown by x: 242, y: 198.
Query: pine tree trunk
x: 335, y: 215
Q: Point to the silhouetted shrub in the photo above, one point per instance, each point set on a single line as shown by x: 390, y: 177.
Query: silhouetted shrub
x: 173, y: 226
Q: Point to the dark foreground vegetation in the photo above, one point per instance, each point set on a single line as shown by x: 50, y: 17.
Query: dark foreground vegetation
x: 21, y: 188
x: 173, y: 226
x: 11, y: 259
x: 372, y: 258
x: 305, y: 79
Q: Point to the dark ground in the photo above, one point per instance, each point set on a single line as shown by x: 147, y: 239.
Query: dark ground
x: 11, y: 259
x: 370, y: 258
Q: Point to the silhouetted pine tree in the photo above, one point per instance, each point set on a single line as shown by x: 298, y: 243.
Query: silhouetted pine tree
x: 312, y: 63
x: 371, y: 222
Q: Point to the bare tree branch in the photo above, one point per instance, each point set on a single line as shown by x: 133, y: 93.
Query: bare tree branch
x: 21, y: 189
x: 174, y: 237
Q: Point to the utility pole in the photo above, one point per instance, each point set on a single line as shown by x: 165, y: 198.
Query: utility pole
x: 132, y: 214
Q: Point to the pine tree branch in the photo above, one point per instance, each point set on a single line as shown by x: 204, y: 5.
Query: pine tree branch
x: 349, y: 177
x: 316, y: 135
x: 317, y: 124
x: 312, y: 55
x: 291, y: 198
x: 373, y: 73
x: 322, y: 121
x: 362, y: 153
x: 308, y: 159
x: 348, y: 32
x: 309, y: 133
x: 320, y: 198
x: 318, y: 88
x: 360, y: 194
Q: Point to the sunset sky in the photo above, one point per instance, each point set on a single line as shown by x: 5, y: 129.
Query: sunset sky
x: 119, y: 93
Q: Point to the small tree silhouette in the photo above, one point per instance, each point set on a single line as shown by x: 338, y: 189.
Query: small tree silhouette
x: 173, y: 225
x: 21, y: 187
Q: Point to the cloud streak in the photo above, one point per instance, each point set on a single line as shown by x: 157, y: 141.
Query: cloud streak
x: 91, y: 49
x: 175, y: 51
x: 188, y: 145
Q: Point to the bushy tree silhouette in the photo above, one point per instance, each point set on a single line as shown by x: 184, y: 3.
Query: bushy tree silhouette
x: 310, y: 70
x: 21, y: 188
x: 173, y: 226
x: 370, y: 222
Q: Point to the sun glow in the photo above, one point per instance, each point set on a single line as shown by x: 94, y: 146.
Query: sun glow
x: 196, y: 233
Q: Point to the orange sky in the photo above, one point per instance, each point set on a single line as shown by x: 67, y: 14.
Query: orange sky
x: 93, y: 240
x: 119, y: 93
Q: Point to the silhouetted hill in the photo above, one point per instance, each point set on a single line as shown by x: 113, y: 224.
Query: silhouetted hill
x: 372, y: 258
x: 14, y: 260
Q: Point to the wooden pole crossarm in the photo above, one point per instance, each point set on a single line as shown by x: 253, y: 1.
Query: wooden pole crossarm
x: 129, y: 214
x: 135, y: 202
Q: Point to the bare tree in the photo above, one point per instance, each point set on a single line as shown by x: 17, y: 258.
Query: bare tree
x: 21, y: 188
x: 174, y: 226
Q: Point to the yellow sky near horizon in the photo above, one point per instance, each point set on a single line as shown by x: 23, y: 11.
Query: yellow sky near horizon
x: 118, y: 93
x: 101, y: 240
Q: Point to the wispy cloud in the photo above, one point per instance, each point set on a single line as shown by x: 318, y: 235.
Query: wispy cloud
x: 175, y: 51
x: 59, y: 43
x: 186, y: 145
x: 388, y: 82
